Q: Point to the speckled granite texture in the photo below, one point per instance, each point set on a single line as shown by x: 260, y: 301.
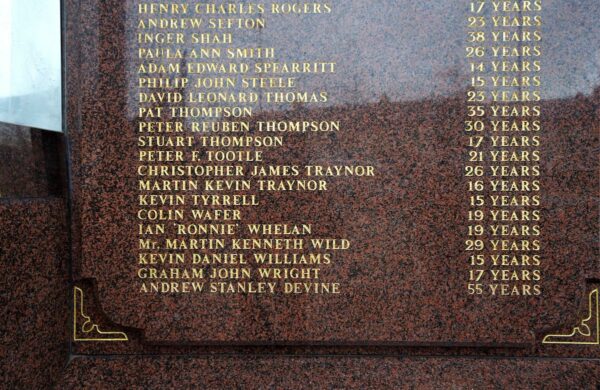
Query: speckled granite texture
x: 404, y: 320
x: 404, y: 279
x: 328, y: 373
x: 33, y: 162
x: 34, y: 298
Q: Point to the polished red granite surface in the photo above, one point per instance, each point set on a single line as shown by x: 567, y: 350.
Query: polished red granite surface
x: 33, y: 162
x: 34, y: 297
x: 404, y: 279
x: 328, y: 373
x: 404, y: 319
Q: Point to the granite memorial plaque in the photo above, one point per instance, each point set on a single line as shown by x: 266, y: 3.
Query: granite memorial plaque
x: 353, y: 178
x: 324, y: 172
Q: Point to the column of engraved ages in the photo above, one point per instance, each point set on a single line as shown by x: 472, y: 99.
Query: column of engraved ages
x: 204, y: 157
x: 503, y: 132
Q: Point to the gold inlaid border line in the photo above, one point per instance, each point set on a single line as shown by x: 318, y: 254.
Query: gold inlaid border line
x: 587, y: 328
x: 88, y: 327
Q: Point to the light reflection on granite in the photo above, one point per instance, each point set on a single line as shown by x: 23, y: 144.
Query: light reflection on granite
x: 33, y: 162
x: 405, y: 276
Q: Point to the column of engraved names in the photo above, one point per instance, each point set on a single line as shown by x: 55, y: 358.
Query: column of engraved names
x: 503, y: 128
x: 204, y: 159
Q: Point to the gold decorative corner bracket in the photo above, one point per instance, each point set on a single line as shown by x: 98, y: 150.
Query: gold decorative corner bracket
x: 588, y: 330
x: 84, y: 329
